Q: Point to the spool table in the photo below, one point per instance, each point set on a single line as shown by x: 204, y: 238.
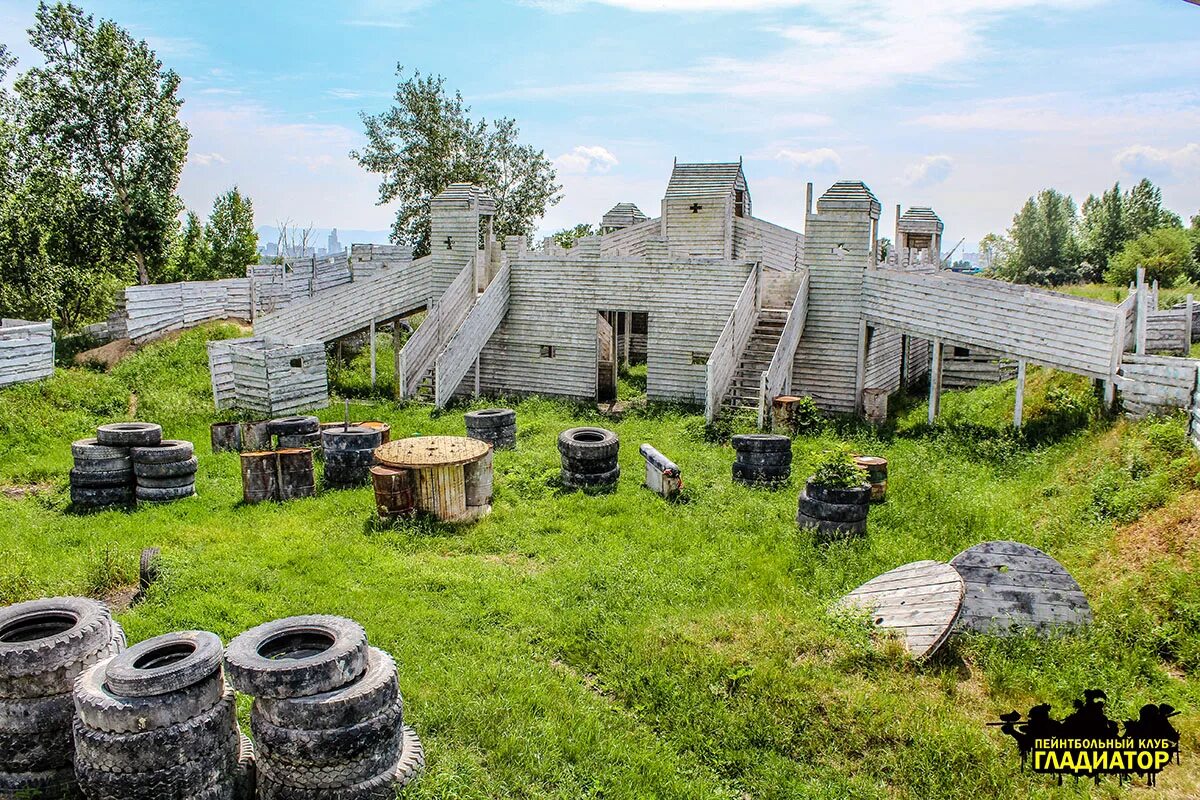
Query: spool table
x: 450, y: 476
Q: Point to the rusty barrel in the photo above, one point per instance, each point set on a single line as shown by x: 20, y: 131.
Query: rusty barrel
x: 385, y: 430
x: 226, y: 437
x: 876, y: 468
x: 256, y: 435
x: 296, y: 473
x: 395, y: 490
x: 477, y: 477
x: 349, y: 455
x: 260, y: 476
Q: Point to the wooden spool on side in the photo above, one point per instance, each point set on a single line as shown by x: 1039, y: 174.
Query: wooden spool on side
x: 385, y: 430
x: 260, y: 476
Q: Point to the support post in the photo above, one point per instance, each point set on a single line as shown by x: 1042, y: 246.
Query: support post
x: 396, y: 357
x: 860, y: 375
x: 372, y: 336
x: 476, y: 376
x: 1139, y: 337
x: 629, y: 333
x: 1187, y: 325
x: 935, y: 381
x: 1019, y: 405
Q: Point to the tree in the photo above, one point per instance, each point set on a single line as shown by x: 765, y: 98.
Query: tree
x: 427, y: 140
x: 190, y: 261
x: 109, y: 112
x: 1102, y: 232
x: 995, y: 249
x: 1043, y: 248
x: 230, y: 237
x: 566, y: 237
x: 1195, y: 233
x: 1144, y: 211
x: 1166, y: 254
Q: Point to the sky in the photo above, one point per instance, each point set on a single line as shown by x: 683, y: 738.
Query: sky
x: 968, y: 106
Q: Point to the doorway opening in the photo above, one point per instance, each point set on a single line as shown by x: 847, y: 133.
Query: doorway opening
x: 620, y: 355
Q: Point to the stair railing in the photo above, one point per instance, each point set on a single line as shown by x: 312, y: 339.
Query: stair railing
x: 777, y: 377
x: 727, y: 352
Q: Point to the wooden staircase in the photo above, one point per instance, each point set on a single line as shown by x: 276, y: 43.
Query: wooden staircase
x: 747, y: 380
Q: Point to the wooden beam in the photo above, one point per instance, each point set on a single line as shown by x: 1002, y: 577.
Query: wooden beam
x: 935, y: 381
x: 396, y: 328
x: 371, y: 332
x: 1019, y: 405
x: 1139, y: 327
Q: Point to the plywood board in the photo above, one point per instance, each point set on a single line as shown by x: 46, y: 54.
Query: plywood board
x: 920, y: 601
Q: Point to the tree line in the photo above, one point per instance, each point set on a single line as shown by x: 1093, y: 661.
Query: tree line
x: 1051, y: 242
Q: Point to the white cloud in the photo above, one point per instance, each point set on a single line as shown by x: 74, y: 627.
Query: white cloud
x: 206, y: 159
x: 669, y: 5
x: 584, y: 159
x: 823, y: 159
x: 929, y: 170
x: 1156, y: 162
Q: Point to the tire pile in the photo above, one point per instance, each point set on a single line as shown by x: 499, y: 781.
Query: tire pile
x: 158, y: 722
x: 130, y: 460
x: 292, y: 432
x: 589, y: 457
x: 349, y: 455
x: 328, y: 718
x: 834, y: 512
x: 496, y: 426
x: 44, y: 645
x: 763, y: 459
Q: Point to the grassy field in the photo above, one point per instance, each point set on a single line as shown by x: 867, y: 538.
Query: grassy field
x: 1115, y: 294
x: 618, y: 646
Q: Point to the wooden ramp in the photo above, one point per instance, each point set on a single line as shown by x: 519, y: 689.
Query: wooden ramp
x: 920, y: 601
x: 1012, y: 587
x: 330, y: 315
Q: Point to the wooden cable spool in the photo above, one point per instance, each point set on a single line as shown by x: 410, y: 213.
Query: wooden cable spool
x: 440, y: 465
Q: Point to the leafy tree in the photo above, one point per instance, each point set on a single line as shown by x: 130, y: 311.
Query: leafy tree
x: 567, y: 236
x: 230, y: 237
x: 1195, y: 233
x: 1166, y: 253
x: 995, y: 249
x: 427, y: 140
x: 105, y: 107
x: 191, y: 257
x: 1144, y: 211
x: 1102, y: 231
x: 1043, y: 247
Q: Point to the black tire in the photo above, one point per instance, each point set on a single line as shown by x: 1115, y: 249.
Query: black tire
x: 173, y: 482
x: 170, y: 469
x: 380, y: 756
x: 86, y: 466
x: 129, y: 434
x: 328, y: 746
x: 782, y: 458
x: 831, y: 512
x: 100, y: 709
x: 101, y: 479
x: 293, y: 426
x: 245, y: 774
x: 49, y: 634
x: 309, y: 441
x: 767, y: 476
x: 354, y: 439
x: 61, y: 679
x: 859, y: 495
x: 588, y: 444
x: 93, y: 497
x: 297, y: 656
x: 164, y: 664
x: 378, y: 787
x: 761, y: 443
x: 580, y: 480
x: 29, y: 714
x: 57, y: 784
x: 83, y: 449
x: 164, y: 494
x: 208, y: 737
x: 192, y: 780
x: 350, y: 458
x: 490, y: 418
x: 377, y: 689
x: 35, y: 751
x: 169, y: 451
x: 412, y: 759
x: 826, y: 530
x: 586, y: 467
x: 149, y: 567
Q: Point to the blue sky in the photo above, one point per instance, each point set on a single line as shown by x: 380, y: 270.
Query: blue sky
x: 966, y: 105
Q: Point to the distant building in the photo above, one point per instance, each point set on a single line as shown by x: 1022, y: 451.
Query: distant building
x: 333, y: 245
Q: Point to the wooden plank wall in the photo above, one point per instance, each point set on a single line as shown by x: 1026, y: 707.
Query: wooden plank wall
x: 460, y: 223
x: 258, y: 374
x: 1042, y: 327
x: 422, y: 348
x: 297, y: 378
x: 367, y: 260
x: 153, y: 310
x: 631, y: 242
x: 978, y: 367
x: 1154, y: 384
x: 553, y: 301
x: 778, y: 289
x: 351, y: 307
x: 836, y: 251
x: 26, y: 351
x: 780, y: 248
x: 1168, y: 331
x: 473, y: 334
x: 727, y: 351
x: 777, y: 378
x: 883, y: 360
x: 700, y: 234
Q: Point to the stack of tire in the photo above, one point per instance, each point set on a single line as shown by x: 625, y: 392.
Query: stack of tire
x: 44, y: 645
x: 835, y: 513
x: 292, y: 432
x: 496, y: 426
x: 102, y: 476
x: 158, y: 722
x: 328, y: 718
x: 589, y: 457
x: 164, y: 471
x: 349, y: 455
x: 763, y: 459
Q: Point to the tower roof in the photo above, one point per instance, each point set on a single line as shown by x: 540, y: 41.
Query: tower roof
x: 849, y: 196
x: 705, y: 180
x: 622, y: 215
x: 921, y: 219
x: 467, y: 196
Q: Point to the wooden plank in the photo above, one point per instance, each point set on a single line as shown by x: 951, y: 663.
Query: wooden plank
x: 920, y: 601
x: 1012, y: 586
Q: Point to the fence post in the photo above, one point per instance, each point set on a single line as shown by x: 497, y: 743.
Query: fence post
x: 935, y: 381
x: 1187, y: 325
x: 1019, y: 405
x: 1140, y: 318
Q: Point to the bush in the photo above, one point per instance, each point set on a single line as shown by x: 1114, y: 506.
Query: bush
x: 836, y: 469
x: 806, y: 417
x: 1166, y: 254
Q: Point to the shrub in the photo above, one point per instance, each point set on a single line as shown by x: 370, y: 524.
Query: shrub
x: 1166, y: 253
x: 837, y: 470
x: 806, y: 417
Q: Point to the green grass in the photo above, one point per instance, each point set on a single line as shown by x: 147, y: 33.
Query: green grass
x: 1167, y: 296
x: 618, y: 646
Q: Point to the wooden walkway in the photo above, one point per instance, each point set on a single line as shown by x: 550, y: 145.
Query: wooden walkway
x: 1012, y: 586
x: 920, y: 601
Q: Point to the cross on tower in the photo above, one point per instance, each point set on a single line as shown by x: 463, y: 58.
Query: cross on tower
x: 696, y: 208
x: 449, y: 243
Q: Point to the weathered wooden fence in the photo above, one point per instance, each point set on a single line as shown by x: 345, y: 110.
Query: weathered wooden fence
x: 267, y: 375
x: 156, y: 309
x: 421, y: 350
x: 1153, y: 384
x: 26, y: 350
x: 777, y: 378
x: 727, y: 353
x: 465, y: 345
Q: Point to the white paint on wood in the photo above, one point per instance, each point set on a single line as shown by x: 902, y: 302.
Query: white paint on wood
x: 919, y: 601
